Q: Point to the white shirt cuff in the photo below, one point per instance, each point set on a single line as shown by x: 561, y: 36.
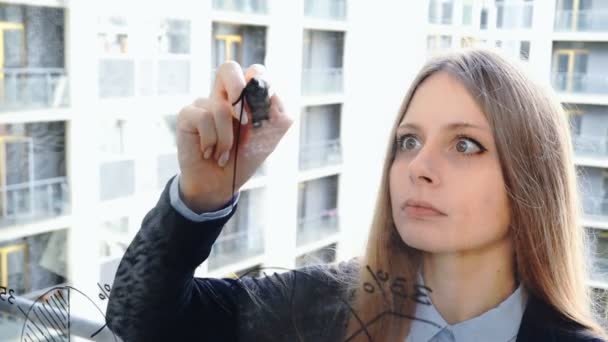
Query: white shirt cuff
x: 179, y: 205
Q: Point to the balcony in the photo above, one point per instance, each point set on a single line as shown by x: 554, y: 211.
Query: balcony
x: 440, y: 12
x: 595, y: 208
x: 33, y: 88
x: 600, y: 262
x: 514, y: 16
x: 117, y: 179
x: 321, y: 81
x: 316, y: 227
x: 325, y: 9
x: 320, y: 154
x: 245, y: 6
x: 588, y: 83
x: 587, y: 145
x: 581, y: 21
x: 236, y: 244
x: 31, y: 201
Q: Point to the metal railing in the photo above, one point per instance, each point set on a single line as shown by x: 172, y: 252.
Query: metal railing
x: 235, y: 246
x: 595, y: 208
x: 320, y: 154
x: 582, y: 20
x: 590, y: 145
x: 31, y: 88
x: 246, y: 6
x: 50, y: 328
x: 580, y: 82
x: 325, y: 9
x: 321, y: 81
x: 316, y: 227
x: 514, y: 16
x: 34, y: 200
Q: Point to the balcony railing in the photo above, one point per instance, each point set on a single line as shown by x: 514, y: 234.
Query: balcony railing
x: 246, y: 6
x: 580, y: 82
x: 320, y: 154
x: 325, y: 9
x: 80, y: 325
x: 321, y: 81
x: 600, y: 260
x: 582, y: 20
x: 35, y: 200
x: 514, y: 16
x: 595, y: 208
x: 317, y: 227
x: 32, y: 88
x: 232, y: 247
x: 590, y: 145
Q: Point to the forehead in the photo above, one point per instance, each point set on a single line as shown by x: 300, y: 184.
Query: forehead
x: 443, y: 99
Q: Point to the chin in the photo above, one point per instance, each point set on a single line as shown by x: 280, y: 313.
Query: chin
x: 426, y: 241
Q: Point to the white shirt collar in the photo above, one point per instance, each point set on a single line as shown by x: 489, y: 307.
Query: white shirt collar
x: 500, y: 323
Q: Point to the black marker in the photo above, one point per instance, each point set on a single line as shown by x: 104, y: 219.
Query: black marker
x: 256, y: 95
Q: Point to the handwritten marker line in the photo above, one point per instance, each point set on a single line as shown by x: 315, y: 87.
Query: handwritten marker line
x: 353, y: 312
x: 58, y: 292
x: 37, y: 327
x: 46, y: 327
x: 58, y: 302
x: 98, y: 330
x: 378, y: 282
x: 56, y: 324
x: 56, y: 315
x: 50, y: 326
x: 31, y: 330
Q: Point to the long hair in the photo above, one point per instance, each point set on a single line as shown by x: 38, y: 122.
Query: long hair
x: 532, y: 137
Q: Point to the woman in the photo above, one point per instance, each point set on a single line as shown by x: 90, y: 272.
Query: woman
x: 475, y: 236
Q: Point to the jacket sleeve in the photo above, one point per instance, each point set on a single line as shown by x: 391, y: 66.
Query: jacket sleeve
x: 155, y: 296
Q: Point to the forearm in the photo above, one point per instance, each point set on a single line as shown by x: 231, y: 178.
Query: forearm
x: 154, y: 292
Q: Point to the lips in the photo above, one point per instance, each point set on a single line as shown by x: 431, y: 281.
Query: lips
x: 421, y: 207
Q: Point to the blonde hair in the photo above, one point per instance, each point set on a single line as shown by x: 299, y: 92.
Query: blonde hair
x: 533, y: 142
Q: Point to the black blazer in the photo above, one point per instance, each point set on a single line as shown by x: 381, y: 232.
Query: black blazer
x: 155, y: 296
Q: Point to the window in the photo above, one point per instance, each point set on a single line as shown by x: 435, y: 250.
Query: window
x: 524, y: 50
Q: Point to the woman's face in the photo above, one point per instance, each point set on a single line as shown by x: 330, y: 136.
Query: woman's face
x: 456, y: 170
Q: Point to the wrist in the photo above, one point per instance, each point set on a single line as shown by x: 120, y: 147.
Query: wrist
x: 201, y: 203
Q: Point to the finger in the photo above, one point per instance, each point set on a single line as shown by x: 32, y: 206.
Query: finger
x: 259, y: 71
x: 223, y: 127
x: 277, y: 113
x: 228, y: 86
x: 197, y: 122
x: 207, y: 135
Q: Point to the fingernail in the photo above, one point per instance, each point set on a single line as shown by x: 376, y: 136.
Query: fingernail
x: 223, y: 159
x: 207, y: 153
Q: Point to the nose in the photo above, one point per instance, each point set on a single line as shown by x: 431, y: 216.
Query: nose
x: 421, y: 167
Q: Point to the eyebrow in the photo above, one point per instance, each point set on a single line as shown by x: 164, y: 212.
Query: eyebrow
x: 449, y: 127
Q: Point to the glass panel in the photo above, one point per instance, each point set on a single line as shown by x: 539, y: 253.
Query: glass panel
x: 322, y: 60
x: 318, y: 217
x: 323, y: 255
x: 242, y: 236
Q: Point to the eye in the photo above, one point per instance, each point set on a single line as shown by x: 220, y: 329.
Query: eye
x: 406, y: 142
x: 465, y: 143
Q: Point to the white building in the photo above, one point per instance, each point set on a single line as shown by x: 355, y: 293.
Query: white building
x: 89, y: 92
